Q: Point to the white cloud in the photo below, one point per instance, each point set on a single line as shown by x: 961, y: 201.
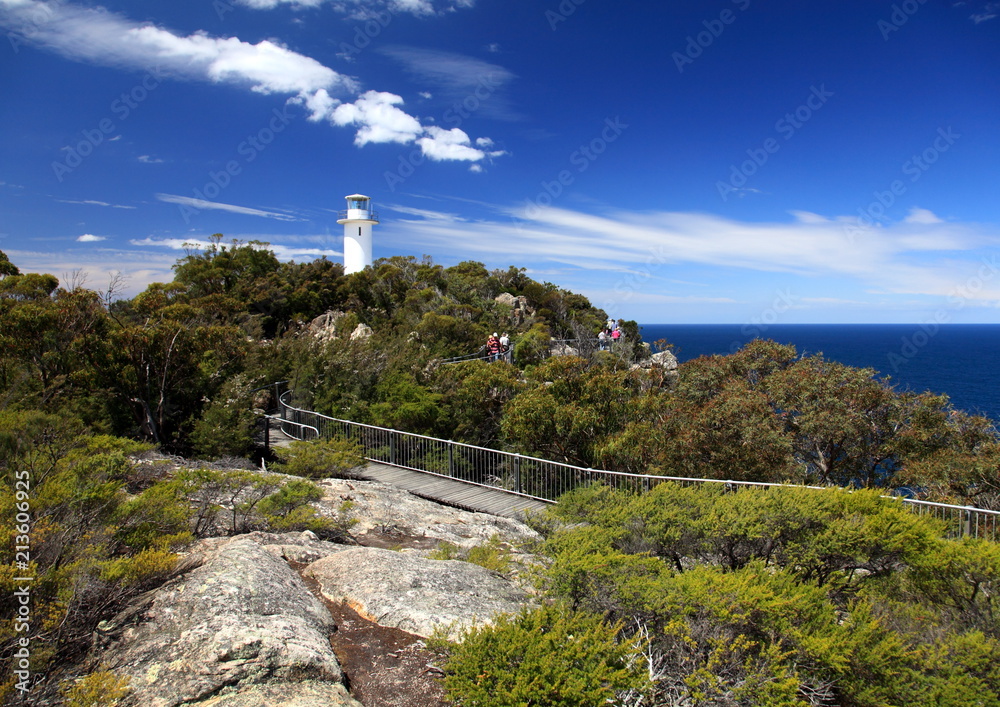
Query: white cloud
x: 989, y: 11
x: 362, y: 8
x: 451, y: 71
x: 88, y: 238
x: 93, y: 202
x: 918, y: 215
x: 271, y: 4
x: 424, y: 213
x: 467, y: 85
x: 146, y: 159
x: 931, y: 259
x: 281, y: 252
x: 320, y: 104
x: 440, y: 144
x: 379, y: 119
x: 200, y: 204
x: 101, y: 37
x: 105, y: 38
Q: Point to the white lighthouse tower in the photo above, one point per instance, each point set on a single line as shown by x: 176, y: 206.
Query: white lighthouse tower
x: 358, y: 220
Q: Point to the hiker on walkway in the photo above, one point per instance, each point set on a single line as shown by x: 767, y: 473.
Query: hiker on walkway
x: 505, y: 351
x: 493, y: 348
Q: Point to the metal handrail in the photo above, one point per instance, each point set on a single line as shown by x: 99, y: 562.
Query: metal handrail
x: 477, y: 355
x: 303, y: 427
x: 545, y: 480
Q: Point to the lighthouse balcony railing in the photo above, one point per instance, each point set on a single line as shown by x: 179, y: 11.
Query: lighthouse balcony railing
x: 363, y: 214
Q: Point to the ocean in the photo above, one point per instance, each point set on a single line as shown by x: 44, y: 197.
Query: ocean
x: 954, y: 359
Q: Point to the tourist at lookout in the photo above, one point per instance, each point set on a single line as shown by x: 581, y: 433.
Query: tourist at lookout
x: 505, y: 351
x: 493, y: 347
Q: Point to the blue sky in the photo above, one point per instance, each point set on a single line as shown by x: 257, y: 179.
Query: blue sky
x: 727, y: 161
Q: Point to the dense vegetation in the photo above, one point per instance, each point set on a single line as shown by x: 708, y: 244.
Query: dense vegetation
x: 91, y: 384
x: 697, y: 596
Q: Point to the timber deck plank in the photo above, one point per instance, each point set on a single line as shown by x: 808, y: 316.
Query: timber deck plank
x: 453, y: 492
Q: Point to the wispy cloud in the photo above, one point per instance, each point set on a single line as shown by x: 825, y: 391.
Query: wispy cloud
x: 146, y: 159
x: 423, y: 213
x: 200, y: 204
x: 89, y: 238
x: 94, y: 202
x: 465, y: 85
x: 922, y: 255
x: 364, y: 8
x: 281, y: 251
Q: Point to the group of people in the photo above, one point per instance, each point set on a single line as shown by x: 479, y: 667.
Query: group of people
x: 498, y: 347
x: 609, y: 335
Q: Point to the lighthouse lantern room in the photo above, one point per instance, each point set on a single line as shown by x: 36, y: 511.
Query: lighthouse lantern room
x: 358, y: 220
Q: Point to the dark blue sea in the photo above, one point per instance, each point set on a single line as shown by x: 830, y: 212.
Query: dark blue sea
x: 954, y: 359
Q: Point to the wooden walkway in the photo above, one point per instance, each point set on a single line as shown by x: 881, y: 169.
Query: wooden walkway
x: 452, y: 492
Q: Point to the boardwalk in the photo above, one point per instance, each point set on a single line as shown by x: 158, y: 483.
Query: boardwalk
x: 452, y: 492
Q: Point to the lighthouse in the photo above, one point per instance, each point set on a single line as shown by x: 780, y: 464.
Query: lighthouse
x: 358, y: 220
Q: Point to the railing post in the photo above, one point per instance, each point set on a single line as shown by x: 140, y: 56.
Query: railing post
x: 267, y: 433
x: 451, y: 460
x: 967, y: 524
x: 392, y: 448
x: 517, y: 473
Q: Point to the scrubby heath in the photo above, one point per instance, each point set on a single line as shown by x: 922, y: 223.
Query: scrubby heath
x: 813, y: 600
x: 699, y: 596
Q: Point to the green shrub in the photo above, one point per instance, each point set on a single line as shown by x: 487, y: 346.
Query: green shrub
x: 321, y: 459
x: 545, y: 656
x: 100, y: 689
x: 493, y: 555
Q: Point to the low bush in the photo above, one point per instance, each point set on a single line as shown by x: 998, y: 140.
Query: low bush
x: 546, y: 656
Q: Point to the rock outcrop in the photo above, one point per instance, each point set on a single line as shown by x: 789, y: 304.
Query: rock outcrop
x: 378, y: 507
x: 362, y: 332
x: 236, y: 626
x: 324, y: 327
x: 663, y: 363
x: 222, y: 633
x: 520, y: 309
x: 413, y: 593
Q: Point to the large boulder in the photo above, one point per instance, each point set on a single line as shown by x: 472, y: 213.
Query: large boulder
x: 415, y: 594
x: 362, y: 332
x: 520, y: 309
x: 324, y: 327
x: 664, y: 361
x: 239, y: 621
